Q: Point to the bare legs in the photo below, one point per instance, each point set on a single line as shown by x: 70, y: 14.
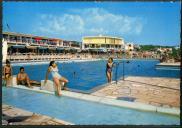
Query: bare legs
x: 62, y: 79
x: 28, y: 82
x: 109, y: 77
x: 8, y: 80
x: 58, y: 85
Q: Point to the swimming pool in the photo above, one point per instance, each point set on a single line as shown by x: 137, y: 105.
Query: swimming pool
x: 167, y: 67
x: 91, y: 74
x: 79, y: 111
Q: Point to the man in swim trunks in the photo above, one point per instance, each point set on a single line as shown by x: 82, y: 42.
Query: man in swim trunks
x: 22, y: 78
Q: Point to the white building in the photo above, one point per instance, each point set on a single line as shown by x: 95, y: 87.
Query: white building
x: 129, y: 46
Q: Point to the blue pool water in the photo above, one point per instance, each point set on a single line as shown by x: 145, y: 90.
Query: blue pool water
x: 91, y: 74
x: 80, y: 111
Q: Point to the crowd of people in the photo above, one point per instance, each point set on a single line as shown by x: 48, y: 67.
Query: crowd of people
x: 60, y: 82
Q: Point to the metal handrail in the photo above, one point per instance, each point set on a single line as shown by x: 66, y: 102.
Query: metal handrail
x: 116, y: 72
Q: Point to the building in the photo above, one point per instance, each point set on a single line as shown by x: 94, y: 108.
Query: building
x: 25, y: 43
x: 104, y: 43
x: 164, y: 50
x: 129, y: 47
x: 4, y: 50
x: 136, y: 47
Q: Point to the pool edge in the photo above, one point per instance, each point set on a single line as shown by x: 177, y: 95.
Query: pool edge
x: 112, y: 101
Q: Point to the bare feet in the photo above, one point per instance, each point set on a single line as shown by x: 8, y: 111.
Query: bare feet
x: 59, y: 94
x: 30, y: 87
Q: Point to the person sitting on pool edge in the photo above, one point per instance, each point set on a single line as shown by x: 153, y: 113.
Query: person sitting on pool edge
x: 22, y: 78
x: 57, y: 78
x: 109, y: 67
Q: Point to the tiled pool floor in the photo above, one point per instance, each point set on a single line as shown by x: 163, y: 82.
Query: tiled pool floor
x: 144, y: 89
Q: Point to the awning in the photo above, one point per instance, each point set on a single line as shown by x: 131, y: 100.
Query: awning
x: 59, y: 48
x: 31, y: 47
x: 44, y: 48
x: 73, y: 50
x: 18, y: 46
x: 52, y: 48
x: 67, y: 48
x: 10, y: 45
x: 85, y: 50
x: 97, y: 50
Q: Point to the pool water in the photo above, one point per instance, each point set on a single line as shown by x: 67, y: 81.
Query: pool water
x: 87, y: 75
x: 80, y: 111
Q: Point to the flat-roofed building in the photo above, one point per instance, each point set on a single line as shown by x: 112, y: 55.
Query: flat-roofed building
x: 23, y: 43
x: 102, y: 42
x: 27, y: 39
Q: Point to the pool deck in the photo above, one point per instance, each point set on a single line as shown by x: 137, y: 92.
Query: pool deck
x: 16, y: 116
x: 162, y: 92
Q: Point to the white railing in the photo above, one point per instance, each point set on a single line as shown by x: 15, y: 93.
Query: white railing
x: 43, y: 57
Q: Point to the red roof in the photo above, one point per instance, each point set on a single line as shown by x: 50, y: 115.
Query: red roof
x: 38, y: 38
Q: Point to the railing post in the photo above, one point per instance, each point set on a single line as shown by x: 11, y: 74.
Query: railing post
x: 123, y: 71
x: 116, y: 72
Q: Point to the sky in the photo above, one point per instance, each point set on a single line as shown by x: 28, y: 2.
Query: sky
x: 156, y: 23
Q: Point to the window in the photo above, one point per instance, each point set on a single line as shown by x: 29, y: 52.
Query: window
x: 103, y: 45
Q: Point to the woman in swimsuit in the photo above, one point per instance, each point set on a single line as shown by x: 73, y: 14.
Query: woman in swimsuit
x: 57, y: 78
x: 109, y: 69
x: 7, y: 72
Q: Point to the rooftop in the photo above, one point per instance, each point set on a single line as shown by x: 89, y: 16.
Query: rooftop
x: 101, y: 36
x: 30, y: 35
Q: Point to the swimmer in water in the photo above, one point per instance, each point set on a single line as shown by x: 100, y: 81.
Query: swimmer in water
x: 74, y: 74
